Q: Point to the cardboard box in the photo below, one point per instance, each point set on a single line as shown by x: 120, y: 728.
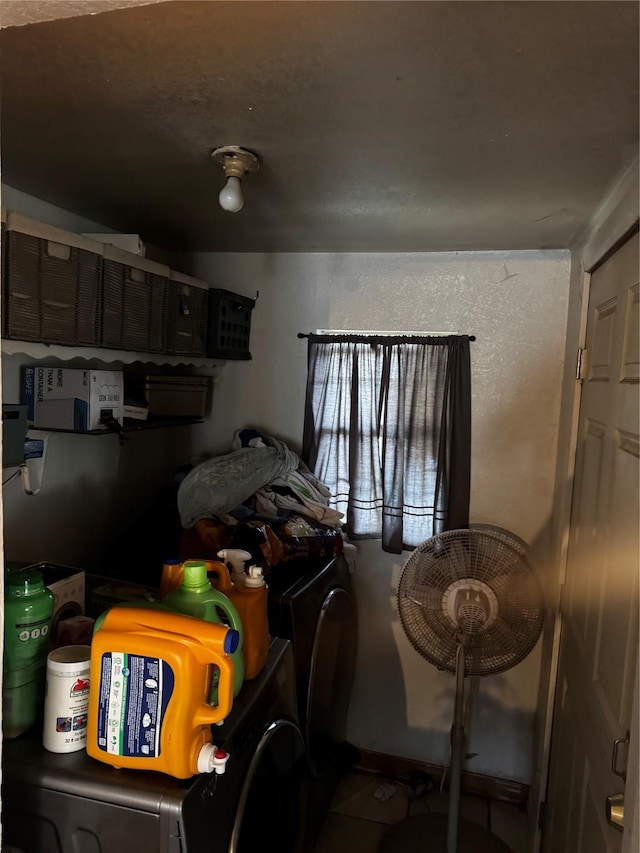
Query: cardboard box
x: 70, y: 398
x: 112, y: 592
x: 75, y: 631
x: 68, y: 586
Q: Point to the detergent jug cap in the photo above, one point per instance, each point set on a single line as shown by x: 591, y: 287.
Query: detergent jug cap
x: 195, y: 575
x: 254, y: 577
x: 231, y: 641
x: 29, y: 581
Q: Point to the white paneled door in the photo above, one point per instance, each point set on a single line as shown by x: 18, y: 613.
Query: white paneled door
x: 590, y: 755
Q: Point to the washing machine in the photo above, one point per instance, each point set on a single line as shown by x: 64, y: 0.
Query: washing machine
x: 66, y: 803
x: 311, y: 604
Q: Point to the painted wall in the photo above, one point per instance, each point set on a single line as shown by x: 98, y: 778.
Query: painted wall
x: 36, y: 208
x: 516, y: 305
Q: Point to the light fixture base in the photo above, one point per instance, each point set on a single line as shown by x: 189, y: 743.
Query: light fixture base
x: 235, y: 161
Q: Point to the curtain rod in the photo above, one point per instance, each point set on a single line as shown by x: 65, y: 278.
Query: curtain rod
x: 390, y: 334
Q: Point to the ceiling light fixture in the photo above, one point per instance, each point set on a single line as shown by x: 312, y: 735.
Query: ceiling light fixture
x: 236, y: 162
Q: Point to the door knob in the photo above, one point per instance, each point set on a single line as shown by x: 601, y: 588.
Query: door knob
x: 614, y: 807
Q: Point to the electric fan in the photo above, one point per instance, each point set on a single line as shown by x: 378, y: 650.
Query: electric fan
x: 469, y: 602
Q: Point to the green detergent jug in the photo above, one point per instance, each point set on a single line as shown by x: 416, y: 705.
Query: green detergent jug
x: 196, y: 597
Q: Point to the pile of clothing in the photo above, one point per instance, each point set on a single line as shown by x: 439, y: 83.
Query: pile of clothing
x: 261, y: 496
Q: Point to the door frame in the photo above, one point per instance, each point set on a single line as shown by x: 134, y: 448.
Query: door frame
x: 614, y: 220
x: 554, y: 586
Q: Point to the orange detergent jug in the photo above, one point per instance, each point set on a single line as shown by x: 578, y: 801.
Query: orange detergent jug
x: 248, y: 591
x: 151, y: 676
x: 172, y: 575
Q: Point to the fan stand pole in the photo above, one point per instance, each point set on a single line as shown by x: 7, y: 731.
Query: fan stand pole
x: 457, y: 750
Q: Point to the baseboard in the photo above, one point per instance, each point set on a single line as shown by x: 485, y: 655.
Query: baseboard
x: 476, y: 784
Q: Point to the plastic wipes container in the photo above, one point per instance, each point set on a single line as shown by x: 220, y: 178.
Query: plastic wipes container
x: 151, y: 676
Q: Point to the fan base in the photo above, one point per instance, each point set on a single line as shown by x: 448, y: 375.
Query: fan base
x: 428, y: 834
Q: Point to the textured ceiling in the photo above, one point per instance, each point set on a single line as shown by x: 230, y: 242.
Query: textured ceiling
x: 17, y: 13
x: 381, y: 126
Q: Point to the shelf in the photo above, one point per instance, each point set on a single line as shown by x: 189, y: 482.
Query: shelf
x: 39, y: 351
x: 131, y: 425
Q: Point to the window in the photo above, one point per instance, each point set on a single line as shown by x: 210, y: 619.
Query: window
x: 388, y: 430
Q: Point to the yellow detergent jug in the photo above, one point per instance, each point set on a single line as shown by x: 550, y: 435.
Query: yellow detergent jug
x: 151, y: 676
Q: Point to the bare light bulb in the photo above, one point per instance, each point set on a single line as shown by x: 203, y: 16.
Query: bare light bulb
x: 230, y: 197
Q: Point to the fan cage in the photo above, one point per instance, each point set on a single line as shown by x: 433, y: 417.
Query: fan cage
x: 492, y: 558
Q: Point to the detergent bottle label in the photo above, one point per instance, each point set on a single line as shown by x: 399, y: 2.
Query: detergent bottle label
x: 134, y: 694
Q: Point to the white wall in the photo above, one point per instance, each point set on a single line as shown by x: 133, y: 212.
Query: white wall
x: 36, y: 208
x: 516, y: 305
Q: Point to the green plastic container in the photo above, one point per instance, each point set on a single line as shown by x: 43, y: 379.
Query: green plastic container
x: 28, y: 610
x: 196, y: 597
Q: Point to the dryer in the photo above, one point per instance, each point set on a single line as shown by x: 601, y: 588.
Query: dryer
x: 311, y: 604
x: 64, y: 803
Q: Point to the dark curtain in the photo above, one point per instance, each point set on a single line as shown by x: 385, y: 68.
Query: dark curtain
x: 388, y: 430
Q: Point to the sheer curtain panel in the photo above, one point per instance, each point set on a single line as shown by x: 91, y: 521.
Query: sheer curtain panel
x: 388, y: 430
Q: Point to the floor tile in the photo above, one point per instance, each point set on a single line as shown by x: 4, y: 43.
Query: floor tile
x: 474, y: 809
x: 365, y: 805
x: 350, y: 786
x: 370, y: 797
x: 510, y: 824
x: 344, y: 834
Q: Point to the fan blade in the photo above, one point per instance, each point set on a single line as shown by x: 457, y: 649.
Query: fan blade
x: 488, y: 572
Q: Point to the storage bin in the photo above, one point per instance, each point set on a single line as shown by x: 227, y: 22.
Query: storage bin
x: 135, y: 293
x: 52, y: 284
x: 177, y: 396
x: 229, y: 325
x: 187, y: 315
